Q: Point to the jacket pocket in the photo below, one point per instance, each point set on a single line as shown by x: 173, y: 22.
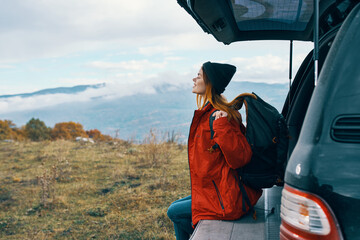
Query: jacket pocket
x: 219, y: 197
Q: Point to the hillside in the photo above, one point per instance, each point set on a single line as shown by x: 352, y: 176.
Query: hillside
x: 69, y: 190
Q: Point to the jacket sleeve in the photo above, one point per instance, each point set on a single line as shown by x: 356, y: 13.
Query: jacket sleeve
x: 232, y: 142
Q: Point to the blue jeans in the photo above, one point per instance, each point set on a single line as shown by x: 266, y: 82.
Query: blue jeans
x: 180, y: 214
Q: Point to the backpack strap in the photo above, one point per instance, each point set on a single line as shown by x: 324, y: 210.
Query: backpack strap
x: 211, y: 123
x: 238, y: 102
x: 245, y: 199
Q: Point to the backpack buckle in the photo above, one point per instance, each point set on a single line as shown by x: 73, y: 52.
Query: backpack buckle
x: 211, y: 150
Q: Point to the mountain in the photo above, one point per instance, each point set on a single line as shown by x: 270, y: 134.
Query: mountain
x: 167, y: 108
x: 65, y: 90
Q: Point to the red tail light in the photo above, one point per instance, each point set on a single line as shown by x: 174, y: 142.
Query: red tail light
x: 306, y: 216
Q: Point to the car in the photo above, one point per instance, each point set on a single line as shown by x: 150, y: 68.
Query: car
x: 321, y: 195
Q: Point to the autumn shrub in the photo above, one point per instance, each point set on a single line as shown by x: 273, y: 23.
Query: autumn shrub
x: 5, y: 129
x: 97, y: 135
x: 19, y: 134
x: 68, y: 131
x: 8, y: 130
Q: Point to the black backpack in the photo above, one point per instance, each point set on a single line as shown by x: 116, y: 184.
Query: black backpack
x: 267, y: 135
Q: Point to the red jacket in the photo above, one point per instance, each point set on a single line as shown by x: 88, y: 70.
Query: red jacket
x: 215, y: 192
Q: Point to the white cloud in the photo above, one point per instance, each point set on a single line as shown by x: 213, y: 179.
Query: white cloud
x: 56, y: 28
x: 190, y: 40
x: 153, y: 50
x: 268, y: 68
x: 70, y: 82
x: 112, y: 90
x: 132, y: 65
x: 6, y: 66
x: 173, y: 58
x: 15, y: 104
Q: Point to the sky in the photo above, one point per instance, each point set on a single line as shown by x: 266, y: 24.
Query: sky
x: 129, y: 45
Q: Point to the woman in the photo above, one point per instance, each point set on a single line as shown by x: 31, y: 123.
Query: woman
x: 215, y: 192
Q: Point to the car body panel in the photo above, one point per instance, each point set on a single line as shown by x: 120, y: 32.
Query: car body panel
x: 240, y: 20
x: 321, y: 164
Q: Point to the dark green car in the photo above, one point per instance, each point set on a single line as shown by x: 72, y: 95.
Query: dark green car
x: 321, y: 196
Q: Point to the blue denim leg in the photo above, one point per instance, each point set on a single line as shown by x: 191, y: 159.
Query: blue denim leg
x: 180, y: 214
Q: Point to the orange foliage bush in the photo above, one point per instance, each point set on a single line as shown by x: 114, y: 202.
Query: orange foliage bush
x: 8, y: 130
x: 68, y: 131
x: 97, y: 135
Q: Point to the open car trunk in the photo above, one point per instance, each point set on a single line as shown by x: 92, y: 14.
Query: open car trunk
x: 240, y: 20
x: 243, y: 20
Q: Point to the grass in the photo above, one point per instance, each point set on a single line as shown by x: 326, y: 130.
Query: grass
x: 72, y: 190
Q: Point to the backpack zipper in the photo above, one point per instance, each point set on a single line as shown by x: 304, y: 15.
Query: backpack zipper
x: 219, y: 197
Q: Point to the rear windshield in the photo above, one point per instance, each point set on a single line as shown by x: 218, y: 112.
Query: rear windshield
x: 251, y: 15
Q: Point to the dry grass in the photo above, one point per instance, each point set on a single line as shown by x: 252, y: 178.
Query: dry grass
x: 70, y: 190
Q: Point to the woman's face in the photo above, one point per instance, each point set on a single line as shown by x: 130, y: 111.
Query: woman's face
x: 199, y: 83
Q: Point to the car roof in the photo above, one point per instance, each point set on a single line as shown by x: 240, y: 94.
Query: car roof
x: 242, y: 20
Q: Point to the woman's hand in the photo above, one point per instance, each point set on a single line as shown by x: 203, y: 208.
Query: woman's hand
x: 220, y: 114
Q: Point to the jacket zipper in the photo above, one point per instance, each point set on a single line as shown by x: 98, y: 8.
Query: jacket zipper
x: 192, y: 121
x: 219, y: 197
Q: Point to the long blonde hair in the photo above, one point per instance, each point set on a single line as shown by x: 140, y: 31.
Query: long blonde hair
x: 217, y: 101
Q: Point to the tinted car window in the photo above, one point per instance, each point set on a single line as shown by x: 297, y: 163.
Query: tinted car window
x: 272, y: 14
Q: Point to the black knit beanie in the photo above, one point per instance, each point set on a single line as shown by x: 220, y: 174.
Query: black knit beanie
x: 219, y: 74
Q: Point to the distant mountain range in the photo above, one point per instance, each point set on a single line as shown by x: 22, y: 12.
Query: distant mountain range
x: 65, y: 90
x: 168, y: 108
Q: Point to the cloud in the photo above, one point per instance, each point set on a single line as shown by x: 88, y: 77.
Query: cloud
x: 268, y: 68
x: 17, y: 103
x: 6, y: 66
x: 57, y: 28
x: 133, y: 65
x: 70, y: 82
x: 111, y: 90
x: 173, y: 58
x: 153, y: 50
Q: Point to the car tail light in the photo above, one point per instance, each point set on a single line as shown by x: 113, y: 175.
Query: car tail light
x: 306, y: 216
